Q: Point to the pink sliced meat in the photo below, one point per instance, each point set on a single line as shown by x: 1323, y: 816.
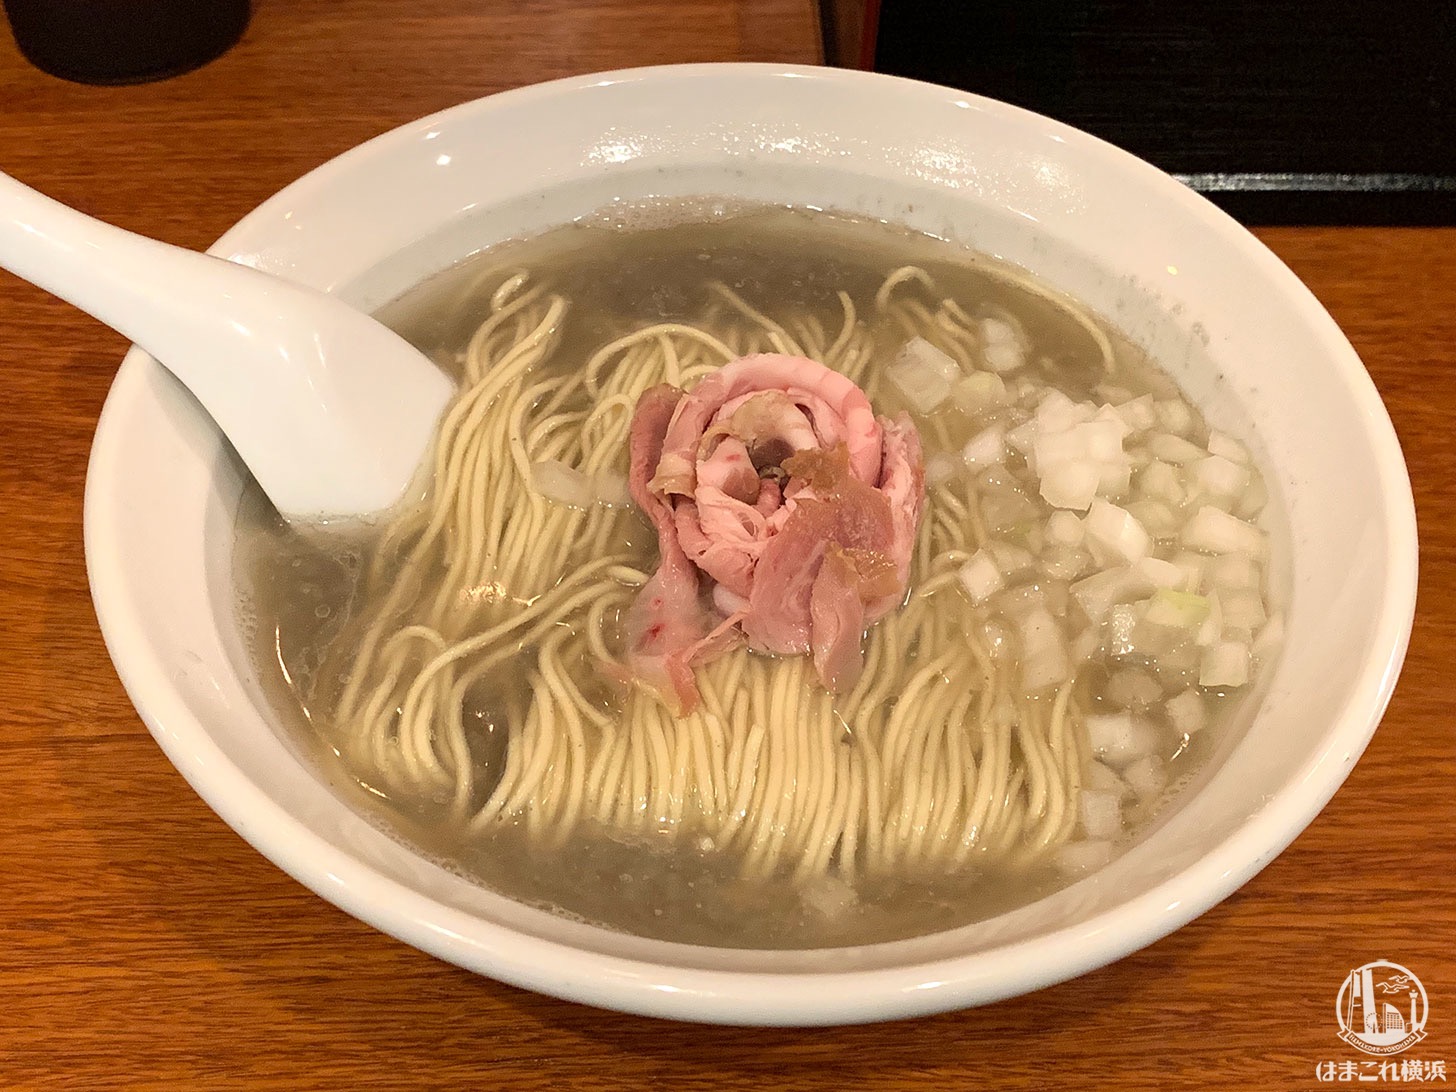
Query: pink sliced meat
x: 666, y: 621
x: 784, y: 509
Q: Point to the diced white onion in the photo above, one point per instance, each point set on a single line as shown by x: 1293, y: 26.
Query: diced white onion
x: 562, y: 484
x: 1043, y: 654
x: 1175, y: 416
x: 1057, y: 413
x: 986, y: 448
x: 1186, y: 712
x: 1077, y: 857
x: 1103, y: 778
x: 1243, y: 608
x: 979, y: 392
x: 1212, y: 628
x: 1117, y: 531
x: 1159, y: 481
x: 1070, y: 485
x: 1270, y: 639
x: 1064, y: 529
x: 981, y: 577
x: 1255, y: 496
x: 1140, y: 414
x: 1023, y: 436
x: 1217, y: 532
x: 1133, y: 688
x: 1225, y: 446
x: 1159, y: 573
x: 1174, y: 449
x: 1065, y: 562
x: 1157, y: 517
x: 1234, y: 572
x: 1097, y: 594
x: 1120, y: 738
x: 1009, y: 557
x: 942, y: 466
x: 1002, y: 345
x: 923, y: 374
x: 1193, y: 567
x: 1100, y: 813
x: 1147, y: 776
x: 1183, y: 610
x: 1225, y: 663
x: 1122, y: 621
x: 1219, y: 476
x: 612, y: 490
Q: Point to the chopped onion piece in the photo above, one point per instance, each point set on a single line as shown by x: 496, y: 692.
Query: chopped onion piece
x: 923, y: 374
x: 1122, y: 620
x: 1120, y: 738
x: 942, y: 466
x: 1070, y: 485
x: 1002, y: 345
x: 1103, y: 778
x: 1114, y: 478
x: 1074, y: 857
x: 1084, y: 645
x: 1140, y: 414
x: 1271, y: 638
x: 562, y: 484
x: 1064, y: 529
x: 612, y: 490
x: 1043, y: 655
x: 1097, y: 594
x: 1023, y: 436
x: 979, y: 392
x: 980, y: 576
x: 1174, y: 449
x: 1180, y: 609
x: 1226, y: 447
x: 1159, y: 481
x: 1235, y: 572
x: 1225, y: 663
x: 1159, y: 573
x: 1243, y: 608
x: 1089, y: 441
x: 1100, y: 813
x: 1147, y: 776
x: 1255, y: 496
x: 986, y: 448
x: 1009, y: 558
x: 1160, y: 520
x: 1194, y: 567
x: 1220, y: 477
x: 1133, y: 688
x: 1212, y: 628
x: 1057, y: 413
x: 1175, y: 416
x: 1117, y: 531
x: 1065, y: 562
x: 1217, y: 532
x: 1186, y: 712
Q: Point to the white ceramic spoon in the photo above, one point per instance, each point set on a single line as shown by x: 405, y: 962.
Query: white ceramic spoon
x: 330, y: 410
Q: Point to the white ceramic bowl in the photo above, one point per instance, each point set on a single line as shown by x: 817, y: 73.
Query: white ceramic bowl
x: 1246, y: 339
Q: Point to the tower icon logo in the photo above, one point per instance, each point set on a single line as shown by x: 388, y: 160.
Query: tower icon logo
x: 1381, y: 1008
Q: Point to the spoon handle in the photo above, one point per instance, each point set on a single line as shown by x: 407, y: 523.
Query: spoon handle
x: 329, y: 409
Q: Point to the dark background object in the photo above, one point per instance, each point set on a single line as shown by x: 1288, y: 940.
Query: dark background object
x: 124, y: 41
x: 1332, y: 112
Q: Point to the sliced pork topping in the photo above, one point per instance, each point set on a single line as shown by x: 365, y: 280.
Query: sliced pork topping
x: 784, y: 508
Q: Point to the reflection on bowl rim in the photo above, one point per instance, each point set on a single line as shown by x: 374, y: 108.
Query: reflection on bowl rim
x: 699, y: 991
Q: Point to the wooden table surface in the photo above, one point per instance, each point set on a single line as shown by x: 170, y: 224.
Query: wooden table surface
x: 143, y: 944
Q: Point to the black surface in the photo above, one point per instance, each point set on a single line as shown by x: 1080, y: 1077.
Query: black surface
x: 1336, y: 111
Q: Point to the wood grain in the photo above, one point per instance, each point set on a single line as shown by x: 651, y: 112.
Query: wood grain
x: 146, y: 946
